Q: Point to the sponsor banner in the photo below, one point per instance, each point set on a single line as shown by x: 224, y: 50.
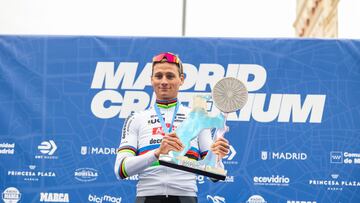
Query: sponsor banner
x: 64, y: 100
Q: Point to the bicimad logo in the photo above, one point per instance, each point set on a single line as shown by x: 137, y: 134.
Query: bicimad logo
x: 11, y: 195
x: 216, y: 199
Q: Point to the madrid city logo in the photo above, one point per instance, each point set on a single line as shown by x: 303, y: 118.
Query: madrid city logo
x: 47, y: 150
x: 265, y: 155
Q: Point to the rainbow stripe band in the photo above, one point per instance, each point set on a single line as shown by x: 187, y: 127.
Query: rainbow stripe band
x: 203, y: 154
x: 122, y: 172
x: 166, y: 103
x: 127, y: 149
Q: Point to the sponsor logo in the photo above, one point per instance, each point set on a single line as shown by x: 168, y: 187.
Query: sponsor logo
x: 334, y: 183
x: 86, y: 174
x: 228, y: 159
x: 104, y: 198
x: 32, y: 174
x: 256, y: 199
x: 155, y: 141
x: 296, y: 201
x: 159, y: 130
x: 47, y: 150
x: 200, y: 179
x: 97, y: 150
x: 11, y: 195
x: 216, y: 199
x: 337, y: 157
x: 273, y: 180
x: 283, y: 156
x: 134, y: 177
x: 54, y: 197
x: 7, y: 148
x: 108, y: 79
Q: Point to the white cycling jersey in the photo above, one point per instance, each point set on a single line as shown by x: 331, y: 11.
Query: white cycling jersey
x: 141, y: 135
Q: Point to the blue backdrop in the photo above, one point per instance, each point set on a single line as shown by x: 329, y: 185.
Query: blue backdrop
x: 63, y: 101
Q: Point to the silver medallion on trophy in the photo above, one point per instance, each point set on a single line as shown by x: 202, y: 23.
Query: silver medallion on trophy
x: 229, y: 95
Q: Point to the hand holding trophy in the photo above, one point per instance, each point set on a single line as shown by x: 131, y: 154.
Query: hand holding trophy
x: 229, y: 95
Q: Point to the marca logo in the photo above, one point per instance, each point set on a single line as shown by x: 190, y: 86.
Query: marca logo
x: 216, y: 199
x: 273, y: 180
x: 282, y: 107
x: 283, y: 155
x: 54, y: 197
x: 97, y: 150
x: 7, y: 148
x: 104, y: 198
x: 86, y: 174
x: 295, y: 201
x: 256, y: 199
x: 11, y: 195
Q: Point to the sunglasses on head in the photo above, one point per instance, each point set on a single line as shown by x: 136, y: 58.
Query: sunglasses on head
x: 170, y: 58
x: 166, y: 57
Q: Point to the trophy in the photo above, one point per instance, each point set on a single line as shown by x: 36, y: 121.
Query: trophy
x: 229, y: 95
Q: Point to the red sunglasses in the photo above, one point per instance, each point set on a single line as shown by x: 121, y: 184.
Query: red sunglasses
x: 166, y: 57
x: 170, y: 58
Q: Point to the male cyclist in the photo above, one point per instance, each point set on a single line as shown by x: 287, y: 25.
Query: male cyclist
x: 147, y: 134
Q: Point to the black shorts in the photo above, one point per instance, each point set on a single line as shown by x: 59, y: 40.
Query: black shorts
x: 166, y: 199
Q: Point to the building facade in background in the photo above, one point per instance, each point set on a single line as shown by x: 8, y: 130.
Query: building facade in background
x: 316, y: 18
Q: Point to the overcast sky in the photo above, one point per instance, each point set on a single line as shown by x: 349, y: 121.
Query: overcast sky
x: 205, y: 18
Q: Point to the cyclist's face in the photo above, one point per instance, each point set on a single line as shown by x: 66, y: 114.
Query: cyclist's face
x: 166, y: 80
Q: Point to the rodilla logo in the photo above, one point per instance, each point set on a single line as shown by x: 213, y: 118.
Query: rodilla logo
x: 256, y: 199
x: 216, y: 199
x: 104, y: 198
x: 108, y: 102
x: 47, y: 147
x: 336, y: 157
x: 11, y: 195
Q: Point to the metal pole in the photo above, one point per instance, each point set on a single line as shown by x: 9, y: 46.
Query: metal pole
x: 184, y: 18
